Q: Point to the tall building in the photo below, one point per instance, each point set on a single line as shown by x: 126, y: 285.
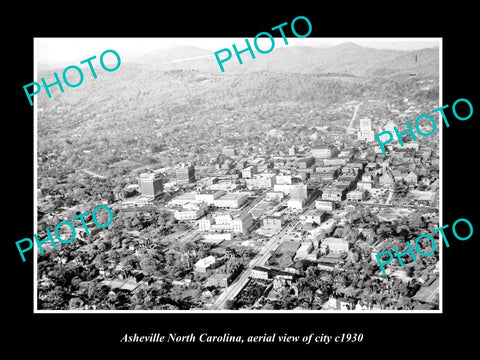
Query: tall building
x: 365, y: 124
x: 366, y: 133
x: 150, y: 184
x: 185, y: 174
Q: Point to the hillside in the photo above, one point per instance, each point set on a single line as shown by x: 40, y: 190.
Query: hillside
x: 174, y: 53
x: 143, y: 108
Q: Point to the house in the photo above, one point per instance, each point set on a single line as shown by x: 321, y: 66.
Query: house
x: 397, y: 175
x: 324, y: 205
x: 204, y: 264
x: 313, y: 216
x: 412, y: 177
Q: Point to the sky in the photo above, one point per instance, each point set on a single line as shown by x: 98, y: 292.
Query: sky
x: 73, y: 50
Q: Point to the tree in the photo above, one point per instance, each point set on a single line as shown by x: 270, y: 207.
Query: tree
x: 56, y: 299
x: 415, y: 221
x: 75, y: 304
x: 150, y: 264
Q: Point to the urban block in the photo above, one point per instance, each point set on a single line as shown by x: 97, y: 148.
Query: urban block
x: 399, y: 135
x: 50, y: 237
x: 69, y: 70
x: 432, y: 240
x: 255, y: 42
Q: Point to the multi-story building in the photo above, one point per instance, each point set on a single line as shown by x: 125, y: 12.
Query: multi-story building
x: 150, y: 184
x: 226, y: 222
x: 185, y: 174
x: 231, y: 200
x: 365, y: 124
x: 260, y: 272
x: 229, y: 151
x: 325, y: 205
x: 249, y: 171
x: 205, y: 224
x: 283, y: 180
x: 204, y: 264
x: 262, y: 181
x: 209, y: 196
x: 220, y: 279
x: 299, y: 191
x: 303, y: 251
x: 272, y: 223
x: 366, y: 133
x: 334, y: 194
x: 334, y: 162
x: 355, y: 195
x: 334, y: 245
x: 306, y: 162
x: 242, y: 223
x: 313, y: 216
x: 296, y: 203
x: 191, y: 211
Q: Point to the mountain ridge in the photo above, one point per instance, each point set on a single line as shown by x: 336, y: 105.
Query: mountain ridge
x: 343, y: 58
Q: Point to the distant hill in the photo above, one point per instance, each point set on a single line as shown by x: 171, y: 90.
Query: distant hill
x: 174, y: 53
x: 346, y: 59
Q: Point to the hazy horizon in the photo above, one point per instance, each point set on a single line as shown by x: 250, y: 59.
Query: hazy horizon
x: 56, y: 51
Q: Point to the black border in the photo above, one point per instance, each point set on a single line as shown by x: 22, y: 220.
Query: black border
x: 383, y: 333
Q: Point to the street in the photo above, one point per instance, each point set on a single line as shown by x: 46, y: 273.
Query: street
x: 234, y: 289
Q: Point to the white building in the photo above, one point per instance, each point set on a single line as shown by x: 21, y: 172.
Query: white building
x: 191, y: 211
x: 322, y: 153
x: 205, y: 224
x: 304, y: 250
x: 202, y: 265
x: 283, y: 180
x: 324, y: 205
x: 242, y: 223
x: 209, y: 196
x: 226, y: 222
x: 261, y: 181
x: 296, y: 203
x: 231, y: 200
x: 355, y: 195
x: 364, y: 185
x: 312, y: 216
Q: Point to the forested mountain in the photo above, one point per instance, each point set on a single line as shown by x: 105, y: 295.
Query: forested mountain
x: 140, y: 107
x: 347, y: 58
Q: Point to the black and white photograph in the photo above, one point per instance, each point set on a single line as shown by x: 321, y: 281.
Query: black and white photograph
x: 212, y: 183
x: 259, y: 188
